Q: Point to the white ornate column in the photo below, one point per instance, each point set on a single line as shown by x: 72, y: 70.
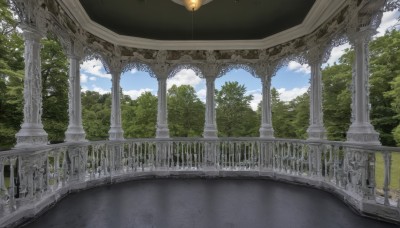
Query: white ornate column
x: 162, y: 112
x: 266, y: 129
x: 114, y: 65
x: 361, y: 130
x: 265, y: 70
x: 210, y: 124
x: 161, y: 70
x: 32, y: 132
x: 75, y: 132
x: 210, y: 70
x: 116, y: 132
x: 316, y: 130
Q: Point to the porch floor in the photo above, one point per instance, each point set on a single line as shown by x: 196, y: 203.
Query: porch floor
x: 203, y: 203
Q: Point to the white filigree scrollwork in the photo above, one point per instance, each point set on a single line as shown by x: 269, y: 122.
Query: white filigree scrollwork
x: 139, y: 66
x: 227, y: 67
x: 392, y: 5
x: 176, y: 68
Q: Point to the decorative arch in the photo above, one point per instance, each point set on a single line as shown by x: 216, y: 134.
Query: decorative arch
x: 90, y: 54
x: 185, y: 66
x: 236, y: 66
x: 140, y: 66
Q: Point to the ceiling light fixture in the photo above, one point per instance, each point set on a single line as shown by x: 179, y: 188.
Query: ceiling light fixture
x: 192, y: 5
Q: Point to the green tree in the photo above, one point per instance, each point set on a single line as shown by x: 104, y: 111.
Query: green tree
x: 127, y: 114
x: 234, y: 114
x: 7, y: 24
x: 337, y: 98
x: 54, y: 78
x: 185, y: 112
x: 282, y: 117
x: 11, y: 76
x: 384, y: 67
x: 301, y: 108
x: 54, y: 89
x: 395, y: 95
x: 139, y: 120
x: 96, y: 113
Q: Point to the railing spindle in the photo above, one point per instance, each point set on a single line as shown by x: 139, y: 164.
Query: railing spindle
x: 387, y: 156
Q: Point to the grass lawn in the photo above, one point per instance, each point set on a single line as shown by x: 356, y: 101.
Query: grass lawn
x: 380, y: 172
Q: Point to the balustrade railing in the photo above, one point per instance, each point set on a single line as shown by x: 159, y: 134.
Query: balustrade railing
x: 362, y: 172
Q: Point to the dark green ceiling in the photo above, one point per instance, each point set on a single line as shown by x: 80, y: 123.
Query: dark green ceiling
x: 218, y: 20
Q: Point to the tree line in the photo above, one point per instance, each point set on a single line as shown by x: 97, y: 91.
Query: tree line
x: 185, y: 110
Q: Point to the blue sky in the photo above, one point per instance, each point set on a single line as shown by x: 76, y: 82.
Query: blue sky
x: 290, y: 81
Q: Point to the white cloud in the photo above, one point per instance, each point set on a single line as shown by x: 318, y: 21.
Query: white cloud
x: 184, y: 77
x: 202, y: 94
x: 133, y: 71
x: 389, y: 20
x: 299, y: 68
x: 134, y: 94
x: 288, y: 95
x: 84, y: 89
x: 92, y: 78
x: 84, y: 78
x: 336, y: 53
x: 257, y: 98
x: 94, y: 67
x: 100, y: 90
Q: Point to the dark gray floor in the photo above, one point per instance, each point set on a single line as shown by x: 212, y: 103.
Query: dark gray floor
x: 203, y: 203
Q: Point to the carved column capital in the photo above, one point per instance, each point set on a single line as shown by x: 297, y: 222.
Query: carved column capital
x: 31, y: 14
x: 266, y: 70
x: 211, y: 70
x: 365, y: 35
x: 368, y: 16
x: 315, y: 55
x: 75, y: 50
x: 161, y: 70
x: 318, y: 51
x: 31, y: 33
x: 114, y: 64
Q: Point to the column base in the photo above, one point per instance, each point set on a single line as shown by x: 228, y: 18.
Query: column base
x: 363, y: 134
x: 210, y: 132
x: 116, y: 133
x: 75, y: 134
x: 162, y: 131
x: 210, y: 155
x: 316, y: 132
x: 267, y: 132
x: 31, y: 135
